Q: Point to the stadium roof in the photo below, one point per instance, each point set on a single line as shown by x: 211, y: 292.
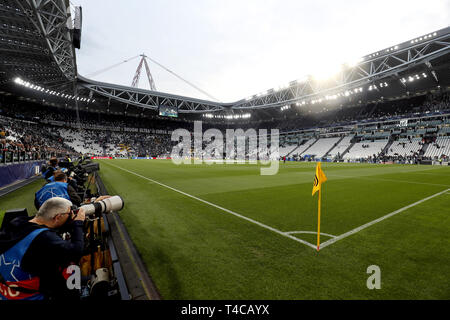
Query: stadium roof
x: 36, y: 45
x: 36, y: 41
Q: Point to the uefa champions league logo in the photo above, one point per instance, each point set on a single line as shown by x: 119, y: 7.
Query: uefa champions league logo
x: 240, y: 147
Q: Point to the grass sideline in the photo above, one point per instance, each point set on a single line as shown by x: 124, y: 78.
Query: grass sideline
x: 196, y: 251
x: 22, y: 198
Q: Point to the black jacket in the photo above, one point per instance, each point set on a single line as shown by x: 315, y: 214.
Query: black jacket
x: 47, y: 255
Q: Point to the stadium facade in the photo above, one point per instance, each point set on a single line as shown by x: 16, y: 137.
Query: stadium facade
x: 38, y: 49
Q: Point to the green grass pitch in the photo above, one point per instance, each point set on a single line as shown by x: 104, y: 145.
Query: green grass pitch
x: 181, y: 220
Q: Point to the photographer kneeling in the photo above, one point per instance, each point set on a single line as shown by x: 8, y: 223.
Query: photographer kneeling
x: 33, y: 256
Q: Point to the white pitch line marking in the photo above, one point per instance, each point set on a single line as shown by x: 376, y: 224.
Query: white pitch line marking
x: 368, y: 177
x: 311, y: 232
x: 288, y: 234
x: 349, y: 233
x: 389, y: 180
x: 221, y: 208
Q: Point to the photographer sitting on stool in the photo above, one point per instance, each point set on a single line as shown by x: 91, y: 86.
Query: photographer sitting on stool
x: 33, y: 255
x: 59, y: 188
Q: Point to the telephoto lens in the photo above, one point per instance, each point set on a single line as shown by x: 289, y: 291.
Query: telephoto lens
x: 114, y: 203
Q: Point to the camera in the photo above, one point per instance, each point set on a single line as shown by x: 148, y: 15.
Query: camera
x: 114, y: 203
x: 98, y: 276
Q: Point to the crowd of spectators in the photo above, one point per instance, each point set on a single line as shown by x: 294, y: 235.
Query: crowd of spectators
x: 25, y: 136
x: 437, y: 103
x: 27, y: 127
x: 117, y: 144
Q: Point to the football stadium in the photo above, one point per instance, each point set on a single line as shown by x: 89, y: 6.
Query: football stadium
x: 319, y: 189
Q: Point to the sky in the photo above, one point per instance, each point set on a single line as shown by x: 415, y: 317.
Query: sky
x: 233, y: 49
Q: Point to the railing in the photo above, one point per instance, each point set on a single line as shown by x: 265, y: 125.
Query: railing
x: 10, y: 157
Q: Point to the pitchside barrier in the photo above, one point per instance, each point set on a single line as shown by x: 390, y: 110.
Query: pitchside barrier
x: 437, y: 163
x: 12, y: 173
x: 133, y: 281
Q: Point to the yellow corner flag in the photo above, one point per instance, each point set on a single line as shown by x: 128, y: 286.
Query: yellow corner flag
x: 318, y: 180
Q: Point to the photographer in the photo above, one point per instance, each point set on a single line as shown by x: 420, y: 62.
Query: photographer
x: 59, y: 188
x: 53, y: 166
x: 34, y: 255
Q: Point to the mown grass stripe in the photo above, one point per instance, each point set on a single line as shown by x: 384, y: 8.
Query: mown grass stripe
x: 349, y: 233
x: 221, y: 208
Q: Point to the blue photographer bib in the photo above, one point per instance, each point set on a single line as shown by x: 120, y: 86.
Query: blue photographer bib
x: 51, y: 190
x: 13, y: 277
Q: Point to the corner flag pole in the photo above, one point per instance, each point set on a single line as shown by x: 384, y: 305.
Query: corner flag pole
x: 319, y: 178
x: 318, y: 223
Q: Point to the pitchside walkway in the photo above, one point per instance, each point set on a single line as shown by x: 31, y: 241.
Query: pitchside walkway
x: 17, y: 185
